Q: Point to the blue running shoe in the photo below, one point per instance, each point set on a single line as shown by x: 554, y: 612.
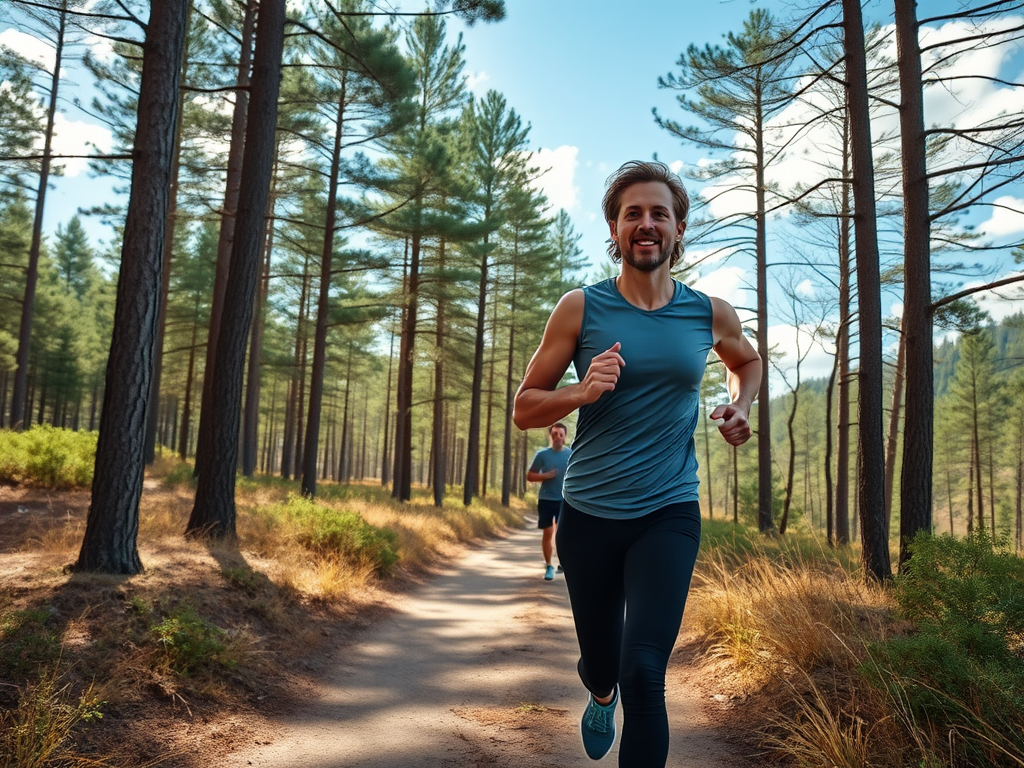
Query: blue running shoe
x: 549, y: 573
x: 598, y: 727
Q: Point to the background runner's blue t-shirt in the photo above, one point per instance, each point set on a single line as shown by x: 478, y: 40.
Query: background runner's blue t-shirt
x: 633, y: 452
x: 546, y: 460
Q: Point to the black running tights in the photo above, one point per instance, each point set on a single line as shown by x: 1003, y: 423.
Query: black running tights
x: 627, y: 582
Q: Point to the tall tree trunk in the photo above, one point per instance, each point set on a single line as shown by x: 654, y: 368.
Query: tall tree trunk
x: 347, y: 423
x: 229, y: 215
x: 871, y: 456
x: 788, y: 500
x: 471, y: 484
x: 506, y: 468
x: 438, y: 456
x: 490, y: 401
x: 385, y: 464
x: 918, y: 420
x: 406, y: 360
x: 168, y: 248
x: 893, y: 438
x: 214, y: 512
x: 829, y: 508
x: 288, y: 433
x: 32, y: 275
x: 323, y: 307
x: 186, y: 413
x: 253, y: 384
x: 970, y: 490
x: 362, y: 439
x: 765, y: 521
x: 707, y: 464
x: 111, y: 532
x: 976, y: 457
x: 845, y: 380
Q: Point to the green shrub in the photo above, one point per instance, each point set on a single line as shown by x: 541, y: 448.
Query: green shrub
x: 48, y: 457
x: 334, y: 534
x: 962, y: 670
x: 181, y: 474
x: 189, y: 642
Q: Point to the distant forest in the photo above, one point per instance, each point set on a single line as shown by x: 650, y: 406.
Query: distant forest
x: 979, y: 388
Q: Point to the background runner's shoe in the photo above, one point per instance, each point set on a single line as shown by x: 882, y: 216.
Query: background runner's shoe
x: 549, y: 573
x: 598, y: 727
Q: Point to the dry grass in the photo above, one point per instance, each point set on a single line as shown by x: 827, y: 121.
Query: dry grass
x: 271, y: 609
x: 774, y: 609
x: 792, y: 621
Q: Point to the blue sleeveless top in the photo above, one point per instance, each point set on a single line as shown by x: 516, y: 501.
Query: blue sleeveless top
x: 633, y: 452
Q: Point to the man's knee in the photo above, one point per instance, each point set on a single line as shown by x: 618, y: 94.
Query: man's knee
x: 642, y: 681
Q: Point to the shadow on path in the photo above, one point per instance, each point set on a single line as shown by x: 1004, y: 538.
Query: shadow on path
x: 476, y: 668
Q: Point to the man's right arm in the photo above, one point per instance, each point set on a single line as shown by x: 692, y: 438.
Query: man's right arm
x: 540, y: 402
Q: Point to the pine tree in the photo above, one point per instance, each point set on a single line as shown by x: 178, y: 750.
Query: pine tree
x: 739, y: 88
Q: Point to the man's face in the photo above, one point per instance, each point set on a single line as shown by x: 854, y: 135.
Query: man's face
x: 557, y: 436
x: 646, y: 228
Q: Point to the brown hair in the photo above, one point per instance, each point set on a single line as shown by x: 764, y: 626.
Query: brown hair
x: 637, y: 172
x: 558, y: 425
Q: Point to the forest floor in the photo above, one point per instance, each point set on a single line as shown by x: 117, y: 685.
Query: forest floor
x: 470, y: 662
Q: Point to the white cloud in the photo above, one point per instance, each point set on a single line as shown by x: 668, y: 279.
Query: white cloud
x: 1007, y: 218
x: 806, y: 289
x: 74, y: 137
x: 476, y: 79
x: 558, y: 176
x: 29, y: 47
x: 728, y: 283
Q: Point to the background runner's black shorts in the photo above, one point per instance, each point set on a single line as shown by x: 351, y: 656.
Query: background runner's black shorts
x: 547, y: 512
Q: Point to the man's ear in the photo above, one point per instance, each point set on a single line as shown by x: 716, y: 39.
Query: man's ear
x: 611, y: 229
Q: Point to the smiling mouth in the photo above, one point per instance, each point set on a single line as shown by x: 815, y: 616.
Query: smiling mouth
x: 646, y: 242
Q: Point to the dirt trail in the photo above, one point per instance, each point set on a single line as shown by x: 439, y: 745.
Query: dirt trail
x: 475, y: 668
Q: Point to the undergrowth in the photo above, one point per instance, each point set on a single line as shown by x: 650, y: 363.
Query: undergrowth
x: 925, y: 673
x: 47, y: 457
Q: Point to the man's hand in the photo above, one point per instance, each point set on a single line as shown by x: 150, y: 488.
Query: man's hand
x: 603, y: 373
x: 734, y: 427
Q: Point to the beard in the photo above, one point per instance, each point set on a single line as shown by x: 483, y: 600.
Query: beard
x: 645, y: 263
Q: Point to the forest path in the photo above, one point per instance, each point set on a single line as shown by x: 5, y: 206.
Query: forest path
x: 477, y: 667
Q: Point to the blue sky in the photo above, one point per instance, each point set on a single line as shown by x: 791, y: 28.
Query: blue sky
x: 583, y: 74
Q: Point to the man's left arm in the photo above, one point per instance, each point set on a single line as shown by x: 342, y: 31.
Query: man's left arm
x: 744, y: 370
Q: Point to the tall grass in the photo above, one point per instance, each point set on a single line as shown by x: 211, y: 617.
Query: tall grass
x: 38, y: 733
x: 926, y: 673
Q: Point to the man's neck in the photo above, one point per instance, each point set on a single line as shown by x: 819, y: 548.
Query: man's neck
x: 646, y: 290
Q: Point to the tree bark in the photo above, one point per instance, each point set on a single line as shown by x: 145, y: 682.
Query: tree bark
x: 765, y: 521
x: 842, y: 521
x: 471, y: 484
x: 214, y: 512
x: 225, y: 243
x: 323, y: 307
x: 918, y: 419
x: 168, y: 246
x: 438, y: 455
x: 871, y: 469
x: 253, y: 385
x: 111, y: 533
x: 893, y: 438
